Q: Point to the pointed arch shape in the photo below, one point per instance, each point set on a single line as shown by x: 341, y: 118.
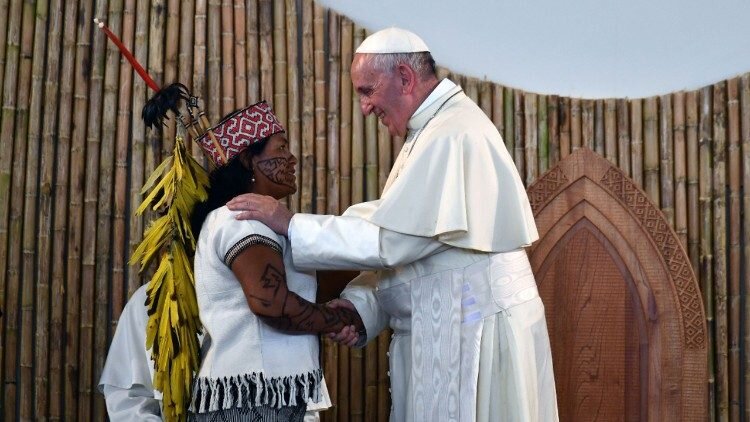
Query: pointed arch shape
x: 624, y: 310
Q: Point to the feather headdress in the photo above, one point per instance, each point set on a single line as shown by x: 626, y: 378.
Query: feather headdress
x: 172, y: 190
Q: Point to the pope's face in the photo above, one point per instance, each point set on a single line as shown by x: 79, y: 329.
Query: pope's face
x: 380, y: 93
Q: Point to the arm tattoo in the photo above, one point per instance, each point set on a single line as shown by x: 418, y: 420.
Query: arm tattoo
x: 285, y: 310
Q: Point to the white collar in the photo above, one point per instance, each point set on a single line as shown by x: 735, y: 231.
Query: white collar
x: 444, y: 86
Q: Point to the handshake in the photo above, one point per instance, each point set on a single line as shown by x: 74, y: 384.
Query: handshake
x: 350, y: 334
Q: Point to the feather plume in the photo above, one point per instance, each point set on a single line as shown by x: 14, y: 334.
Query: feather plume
x: 166, y: 99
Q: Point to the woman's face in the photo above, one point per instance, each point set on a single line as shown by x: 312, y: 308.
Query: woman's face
x: 274, y: 169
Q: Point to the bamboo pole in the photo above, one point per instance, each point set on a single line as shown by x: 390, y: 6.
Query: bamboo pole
x: 185, y: 56
x: 498, y: 109
x: 485, y: 98
x: 371, y: 158
x: 636, y: 142
x: 509, y: 120
x: 733, y: 271
x: 705, y: 149
x: 74, y: 367
x: 666, y: 159
x: 576, y: 140
x: 4, y: 16
x: 280, y: 98
x: 471, y: 89
x: 680, y: 169
x: 171, y: 48
x: 320, y: 108
x: 610, y: 130
x: 745, y: 139
x: 334, y: 89
x: 44, y: 324
x: 531, y: 140
x: 368, y: 384
x: 103, y: 250
x: 543, y: 136
x: 9, y: 286
x: 623, y: 136
x: 265, y: 21
x: 691, y: 137
x: 60, y: 234
x: 308, y: 110
x: 120, y: 252
x: 215, y: 107
x: 553, y: 129
x: 30, y: 124
x: 356, y: 382
x: 565, y: 113
x: 293, y: 102
x: 330, y: 360
x: 651, y: 149
x: 185, y: 61
x: 518, y: 133
x: 358, y: 138
x: 720, y: 248
x: 199, y: 66
x: 347, y: 34
x: 240, y: 53
x: 342, y: 383
x: 587, y: 125
x: 253, y: 58
x: 384, y: 157
x: 76, y: 405
x: 599, y: 133
x: 90, y: 205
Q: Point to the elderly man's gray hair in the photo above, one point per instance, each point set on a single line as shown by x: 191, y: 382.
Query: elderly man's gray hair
x: 422, y: 63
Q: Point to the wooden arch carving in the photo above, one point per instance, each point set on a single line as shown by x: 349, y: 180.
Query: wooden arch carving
x: 624, y: 311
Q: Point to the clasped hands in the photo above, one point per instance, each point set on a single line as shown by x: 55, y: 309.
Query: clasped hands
x: 349, y: 335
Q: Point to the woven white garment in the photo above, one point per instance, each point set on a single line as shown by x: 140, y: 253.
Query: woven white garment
x: 250, y: 362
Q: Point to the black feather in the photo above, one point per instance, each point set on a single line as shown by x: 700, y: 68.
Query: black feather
x: 168, y: 98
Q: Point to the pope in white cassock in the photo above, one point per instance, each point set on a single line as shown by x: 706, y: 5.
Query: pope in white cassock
x: 446, y: 241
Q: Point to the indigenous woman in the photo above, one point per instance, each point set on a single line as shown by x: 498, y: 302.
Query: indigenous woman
x: 257, y: 309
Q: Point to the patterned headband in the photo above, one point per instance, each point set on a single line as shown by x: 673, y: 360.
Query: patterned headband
x: 238, y: 131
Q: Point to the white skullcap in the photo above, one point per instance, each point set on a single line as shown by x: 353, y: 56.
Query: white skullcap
x: 392, y: 40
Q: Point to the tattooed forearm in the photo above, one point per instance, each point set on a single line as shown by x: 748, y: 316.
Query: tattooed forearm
x: 276, y: 170
x: 285, y: 310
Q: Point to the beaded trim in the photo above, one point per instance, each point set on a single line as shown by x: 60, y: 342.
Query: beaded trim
x: 244, y: 243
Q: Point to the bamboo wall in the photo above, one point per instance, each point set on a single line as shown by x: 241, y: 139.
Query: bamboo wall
x: 74, y: 154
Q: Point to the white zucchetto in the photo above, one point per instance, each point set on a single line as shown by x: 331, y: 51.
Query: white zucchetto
x: 392, y: 40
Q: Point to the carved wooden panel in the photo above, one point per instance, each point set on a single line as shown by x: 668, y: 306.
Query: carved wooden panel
x: 625, y: 315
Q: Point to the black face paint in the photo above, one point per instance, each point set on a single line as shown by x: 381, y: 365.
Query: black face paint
x: 277, y: 171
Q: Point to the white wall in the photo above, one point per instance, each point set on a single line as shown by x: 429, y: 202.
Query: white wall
x: 578, y: 48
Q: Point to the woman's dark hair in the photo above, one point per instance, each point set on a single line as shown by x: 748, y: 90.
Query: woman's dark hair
x: 226, y: 182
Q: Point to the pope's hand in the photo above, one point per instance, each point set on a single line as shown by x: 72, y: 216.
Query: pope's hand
x: 265, y: 209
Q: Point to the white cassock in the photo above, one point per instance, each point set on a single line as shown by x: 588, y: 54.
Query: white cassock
x: 126, y: 380
x: 470, y: 340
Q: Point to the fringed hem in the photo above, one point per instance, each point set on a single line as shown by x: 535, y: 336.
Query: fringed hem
x: 253, y: 390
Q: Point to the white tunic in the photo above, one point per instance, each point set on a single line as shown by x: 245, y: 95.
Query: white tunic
x: 470, y: 340
x: 127, y: 374
x: 248, y: 362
